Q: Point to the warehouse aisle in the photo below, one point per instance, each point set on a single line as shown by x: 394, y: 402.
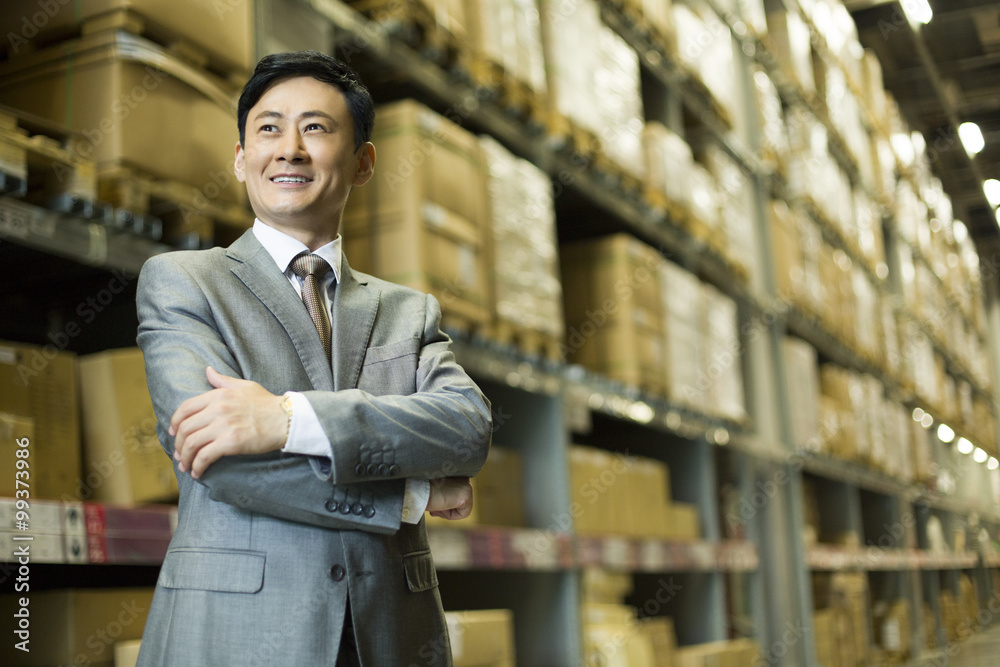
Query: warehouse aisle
x: 981, y: 651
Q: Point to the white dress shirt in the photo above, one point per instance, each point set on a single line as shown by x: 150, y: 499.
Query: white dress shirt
x: 305, y: 433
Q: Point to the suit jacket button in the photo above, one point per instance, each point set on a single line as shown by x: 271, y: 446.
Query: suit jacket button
x: 345, y: 508
x: 394, y: 470
x: 383, y: 469
x: 359, y: 469
x: 331, y: 505
x: 369, y: 511
x: 356, y: 509
x: 337, y: 572
x: 372, y: 468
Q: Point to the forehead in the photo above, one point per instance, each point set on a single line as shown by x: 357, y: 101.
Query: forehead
x: 291, y: 96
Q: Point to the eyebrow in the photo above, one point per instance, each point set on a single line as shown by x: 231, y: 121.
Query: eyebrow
x: 312, y: 113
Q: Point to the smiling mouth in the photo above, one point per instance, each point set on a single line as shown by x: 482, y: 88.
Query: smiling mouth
x: 291, y: 179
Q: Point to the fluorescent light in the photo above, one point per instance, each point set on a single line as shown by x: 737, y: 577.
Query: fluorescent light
x: 918, y: 11
x: 927, y: 421
x: 993, y: 464
x: 918, y: 414
x: 945, y: 434
x: 980, y: 455
x: 964, y: 446
x: 972, y: 138
x: 991, y: 188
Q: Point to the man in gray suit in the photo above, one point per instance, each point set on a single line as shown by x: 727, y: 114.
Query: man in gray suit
x: 313, y: 413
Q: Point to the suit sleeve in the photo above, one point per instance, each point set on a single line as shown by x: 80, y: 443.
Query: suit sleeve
x: 179, y: 338
x: 443, y: 429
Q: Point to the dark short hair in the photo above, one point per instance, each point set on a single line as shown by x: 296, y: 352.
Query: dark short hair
x: 275, y: 68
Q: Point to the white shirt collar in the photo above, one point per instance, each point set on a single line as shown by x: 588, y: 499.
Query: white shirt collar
x: 283, y: 248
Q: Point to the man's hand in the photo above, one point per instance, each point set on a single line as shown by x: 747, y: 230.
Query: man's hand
x: 451, y: 498
x: 237, y: 417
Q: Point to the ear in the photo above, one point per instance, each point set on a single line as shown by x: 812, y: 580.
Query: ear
x: 366, y: 164
x: 238, y: 166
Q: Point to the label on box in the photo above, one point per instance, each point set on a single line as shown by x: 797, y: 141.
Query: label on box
x: 42, y: 548
x: 44, y: 517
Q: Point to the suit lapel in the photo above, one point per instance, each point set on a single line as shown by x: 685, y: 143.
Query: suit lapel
x: 257, y: 270
x: 354, y: 308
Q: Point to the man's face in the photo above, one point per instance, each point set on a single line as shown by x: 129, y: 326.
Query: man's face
x: 299, y: 161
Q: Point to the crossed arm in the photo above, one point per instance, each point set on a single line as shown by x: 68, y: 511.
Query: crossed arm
x: 227, y: 431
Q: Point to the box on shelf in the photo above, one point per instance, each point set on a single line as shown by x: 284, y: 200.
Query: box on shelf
x: 668, y: 160
x: 891, y: 621
x: 802, y: 381
x: 598, y: 482
x: 613, y: 304
x: 731, y: 653
x: 123, y: 460
x: 499, y: 493
x: 77, y: 626
x: 222, y: 34
x: 123, y: 108
x: 127, y: 653
x: 421, y: 220
x: 686, y: 347
x: 40, y: 383
x: 507, y: 33
x: 603, y: 586
x: 16, y: 431
x: 683, y: 522
x: 483, y: 638
x: 660, y: 632
x: 526, y: 292
x: 723, y: 369
x: 789, y: 42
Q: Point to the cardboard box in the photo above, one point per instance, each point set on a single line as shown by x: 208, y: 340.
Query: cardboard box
x: 482, y: 638
x: 525, y: 287
x: 683, y: 521
x: 614, y: 316
x: 789, y: 42
x: 40, y: 383
x: 498, y: 490
x: 802, y: 383
x: 224, y: 32
x: 127, y: 653
x: 597, y: 479
x: 124, y: 110
x: 123, y: 460
x: 14, y: 432
x: 660, y: 631
x: 604, y: 586
x: 421, y: 220
x: 77, y: 626
x: 647, y: 494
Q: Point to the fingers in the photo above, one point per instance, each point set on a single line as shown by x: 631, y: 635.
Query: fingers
x: 220, y: 381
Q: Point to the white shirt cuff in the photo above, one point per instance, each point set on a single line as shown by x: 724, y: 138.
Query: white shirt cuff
x: 305, y: 433
x: 416, y: 495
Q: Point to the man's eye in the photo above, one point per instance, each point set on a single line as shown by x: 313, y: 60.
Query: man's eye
x: 314, y: 126
x: 268, y: 128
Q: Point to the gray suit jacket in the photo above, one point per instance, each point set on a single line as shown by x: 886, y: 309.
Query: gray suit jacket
x: 267, y: 546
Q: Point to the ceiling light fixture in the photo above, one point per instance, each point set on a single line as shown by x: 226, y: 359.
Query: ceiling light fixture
x: 964, y: 446
x: 972, y: 138
x: 993, y: 464
x: 917, y: 11
x: 980, y: 455
x: 945, y: 433
x: 991, y: 188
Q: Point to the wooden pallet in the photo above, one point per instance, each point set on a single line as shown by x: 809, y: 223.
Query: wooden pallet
x: 417, y: 25
x: 175, y: 212
x: 627, y: 183
x: 528, y: 341
x: 516, y: 96
x: 576, y: 139
x: 45, y: 166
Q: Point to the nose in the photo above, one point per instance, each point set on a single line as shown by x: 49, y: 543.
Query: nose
x: 292, y: 148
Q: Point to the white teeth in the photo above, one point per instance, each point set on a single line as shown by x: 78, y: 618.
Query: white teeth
x: 290, y: 179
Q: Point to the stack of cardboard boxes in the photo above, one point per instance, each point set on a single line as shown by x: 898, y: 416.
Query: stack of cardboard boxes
x: 635, y: 318
x: 841, y: 618
x: 101, y: 397
x: 526, y: 293
x: 614, y: 494
x: 136, y: 67
x: 613, y: 634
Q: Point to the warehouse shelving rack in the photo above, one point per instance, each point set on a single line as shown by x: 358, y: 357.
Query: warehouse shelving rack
x: 749, y: 575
